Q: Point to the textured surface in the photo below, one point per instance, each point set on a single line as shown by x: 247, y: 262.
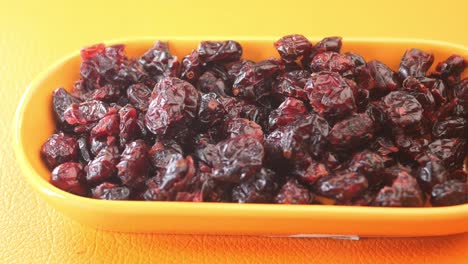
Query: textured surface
x: 34, y: 34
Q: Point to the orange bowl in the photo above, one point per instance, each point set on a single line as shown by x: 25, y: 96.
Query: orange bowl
x: 34, y: 124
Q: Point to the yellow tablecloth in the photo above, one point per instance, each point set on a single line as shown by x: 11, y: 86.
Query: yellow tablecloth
x: 33, y: 34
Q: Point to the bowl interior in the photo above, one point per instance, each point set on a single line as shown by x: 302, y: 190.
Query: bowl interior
x: 35, y: 122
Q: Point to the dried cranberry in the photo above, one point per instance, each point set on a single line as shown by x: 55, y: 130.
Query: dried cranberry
x: 102, y: 168
x: 370, y: 164
x: 128, y: 126
x: 219, y: 51
x: 330, y: 95
x: 451, y: 151
x: 292, y: 84
x: 159, y: 62
x: 175, y: 103
x: 134, y: 164
x: 310, y: 171
x: 352, y: 132
x: 59, y: 148
x: 110, y: 191
x: 107, y: 126
x: 385, y: 79
x: 334, y: 62
x: 288, y: 112
x: 294, y: 193
x: 69, y: 176
x: 234, y: 68
x: 61, y: 100
x: 191, y: 67
x: 431, y: 173
x: 343, y: 186
x: 211, y: 112
x: 384, y: 146
x: 451, y: 69
x: 83, y: 147
x: 139, y: 96
x: 162, y: 152
x: 240, y: 126
x: 292, y: 47
x: 450, y: 127
x: 210, y: 83
x: 107, y: 93
x: 415, y: 63
x: 238, y: 158
x: 85, y: 112
x: 403, y: 109
x: 404, y: 192
x: 409, y: 145
x: 326, y: 44
x: 451, y: 192
x: 356, y: 59
x: 254, y: 81
x: 260, y: 188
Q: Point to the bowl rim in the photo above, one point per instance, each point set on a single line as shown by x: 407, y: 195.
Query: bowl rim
x: 204, y: 208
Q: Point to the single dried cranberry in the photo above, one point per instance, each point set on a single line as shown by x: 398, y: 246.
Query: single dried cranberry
x: 352, y: 132
x: 450, y: 127
x: 191, y: 67
x: 364, y: 78
x: 219, y: 51
x: 238, y: 158
x: 260, y: 188
x: 403, y: 110
x: 451, y: 69
x: 61, y: 100
x: 415, y: 63
x: 159, y: 62
x: 103, y: 167
x: 134, y: 164
x: 128, y: 125
x: 431, y: 173
x: 107, y: 93
x: 240, y: 126
x: 234, y: 68
x: 451, y: 151
x: 210, y: 83
x: 388, y: 175
x: 255, y: 113
x: 310, y: 171
x: 139, y: 96
x: 292, y: 84
x: 404, y: 192
x: 69, y: 176
x: 92, y: 51
x: 110, y: 191
x: 107, y: 126
x: 410, y: 146
x: 254, y: 81
x: 175, y: 103
x: 451, y: 192
x: 59, y: 148
x: 370, y: 164
x: 326, y: 44
x: 385, y: 79
x: 294, y: 193
x: 292, y: 47
x: 162, y: 152
x: 330, y: 95
x: 333, y: 62
x: 211, y: 112
x: 85, y: 112
x: 356, y: 59
x: 288, y: 112
x: 343, y: 186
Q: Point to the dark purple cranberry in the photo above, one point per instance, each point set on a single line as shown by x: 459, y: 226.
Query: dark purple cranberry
x: 254, y: 81
x: 327, y: 44
x: 83, y: 147
x: 287, y: 112
x: 384, y: 146
x: 260, y: 188
x: 352, y: 133
x: 403, y: 110
x: 370, y: 164
x: 342, y: 187
x: 211, y: 112
x: 410, y: 146
x: 431, y: 173
x: 134, y: 164
x: 240, y: 126
x: 356, y: 59
x: 159, y: 62
x: 102, y: 167
x: 110, y: 191
x: 107, y: 126
x: 404, y: 192
x: 85, y: 112
x: 451, y: 127
x: 292, y: 47
x: 415, y: 63
x: 61, y: 100
x: 385, y: 79
x: 234, y: 68
x: 219, y: 51
x: 139, y: 96
x: 238, y: 158
x: 175, y: 104
x: 451, y: 192
x: 107, y: 93
x: 59, y: 148
x: 191, y: 67
x: 292, y: 84
x: 421, y: 93
x: 162, y: 152
x: 451, y: 151
x: 333, y: 62
x: 330, y: 95
x: 69, y: 176
x: 128, y: 125
x: 293, y: 192
x: 309, y: 171
x: 451, y: 69
x: 210, y: 83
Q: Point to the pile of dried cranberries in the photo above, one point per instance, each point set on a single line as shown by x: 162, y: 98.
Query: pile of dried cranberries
x: 315, y: 126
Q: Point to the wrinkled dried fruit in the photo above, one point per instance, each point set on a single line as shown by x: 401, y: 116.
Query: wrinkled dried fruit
x: 343, y: 186
x: 110, y: 191
x: 415, y: 63
x: 451, y: 192
x: 292, y: 47
x: 260, y: 188
x: 159, y: 62
x: 69, y: 176
x: 404, y: 192
x: 292, y: 84
x: 294, y: 193
x: 134, y: 164
x: 352, y: 132
x: 102, y: 167
x: 286, y: 113
x: 219, y: 51
x: 59, y: 148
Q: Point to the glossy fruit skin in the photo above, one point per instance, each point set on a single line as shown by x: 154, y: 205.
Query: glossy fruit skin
x: 219, y: 51
x: 370, y: 164
x: 159, y: 62
x: 292, y: 84
x: 211, y: 111
x: 415, y: 63
x: 61, y: 99
x: 174, y: 103
x: 333, y: 62
x: 326, y: 44
x: 293, y: 192
x: 102, y: 167
x: 85, y: 112
x: 292, y: 47
x: 404, y: 192
x: 260, y: 188
x: 59, y: 148
x: 403, y: 110
x: 191, y: 67
x: 450, y: 127
x: 450, y: 150
x: 139, y: 95
x: 330, y: 95
x: 110, y: 191
x: 343, y: 186
x: 287, y: 112
x: 451, y: 192
x: 385, y: 79
x: 352, y: 132
x: 432, y: 173
x: 241, y: 126
x: 209, y: 82
x: 70, y: 177
x: 134, y: 163
x: 451, y: 69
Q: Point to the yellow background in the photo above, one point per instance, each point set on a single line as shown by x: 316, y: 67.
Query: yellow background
x: 33, y: 34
